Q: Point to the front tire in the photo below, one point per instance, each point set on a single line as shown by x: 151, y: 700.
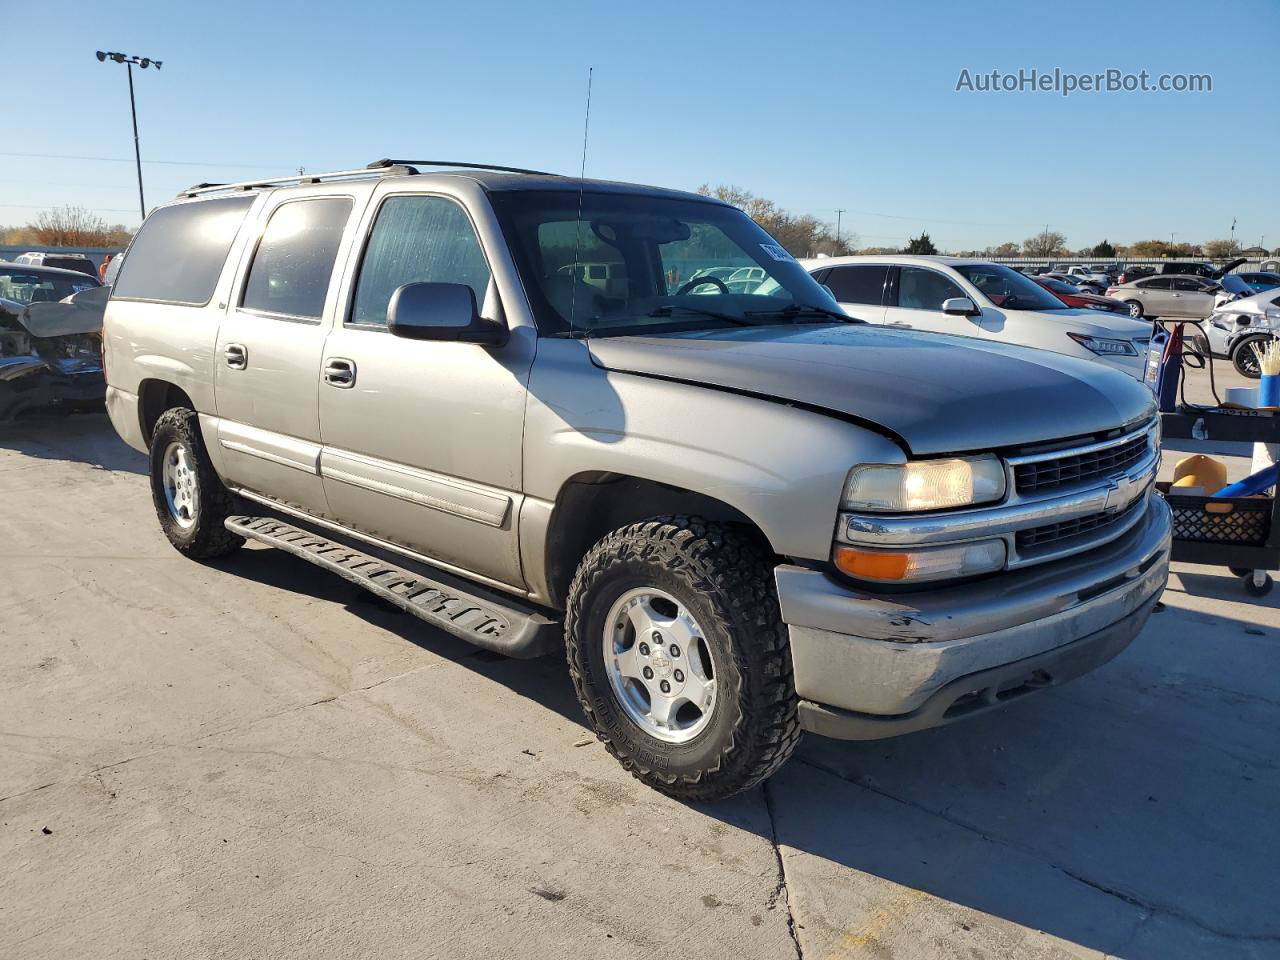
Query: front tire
x: 190, y: 500
x: 1244, y: 359
x: 680, y: 658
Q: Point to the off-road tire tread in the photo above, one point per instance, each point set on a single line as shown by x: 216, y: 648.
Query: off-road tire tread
x: 731, y: 565
x: 212, y: 538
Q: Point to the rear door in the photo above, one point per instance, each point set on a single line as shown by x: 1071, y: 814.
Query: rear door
x: 859, y: 289
x: 916, y: 298
x: 269, y: 346
x: 1157, y: 297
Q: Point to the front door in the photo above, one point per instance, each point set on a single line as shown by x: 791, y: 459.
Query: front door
x: 1190, y: 298
x: 422, y: 439
x: 268, y: 351
x: 920, y: 293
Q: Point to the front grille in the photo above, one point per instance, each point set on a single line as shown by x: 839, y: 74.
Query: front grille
x: 1070, y: 468
x: 1066, y: 529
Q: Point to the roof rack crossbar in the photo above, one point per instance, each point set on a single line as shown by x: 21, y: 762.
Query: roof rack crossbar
x: 393, y: 169
x: 465, y: 166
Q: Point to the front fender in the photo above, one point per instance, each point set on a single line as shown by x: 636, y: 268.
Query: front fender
x: 781, y: 465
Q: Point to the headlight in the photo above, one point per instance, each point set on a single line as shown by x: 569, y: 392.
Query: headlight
x: 920, y: 564
x: 924, y: 484
x: 1104, y: 348
x: 1097, y: 306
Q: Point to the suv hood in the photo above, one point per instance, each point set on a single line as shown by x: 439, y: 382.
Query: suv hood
x: 937, y: 393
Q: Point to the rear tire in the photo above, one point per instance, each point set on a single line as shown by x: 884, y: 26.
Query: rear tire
x: 190, y: 500
x: 717, y: 578
x: 1136, y: 309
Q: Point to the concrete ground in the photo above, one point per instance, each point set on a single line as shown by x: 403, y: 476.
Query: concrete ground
x: 252, y: 759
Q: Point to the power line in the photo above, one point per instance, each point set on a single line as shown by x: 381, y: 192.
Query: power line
x: 173, y: 163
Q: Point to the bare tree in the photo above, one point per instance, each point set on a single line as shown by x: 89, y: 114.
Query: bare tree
x: 1221, y: 249
x: 1046, y: 243
x: 803, y: 235
x: 70, y: 227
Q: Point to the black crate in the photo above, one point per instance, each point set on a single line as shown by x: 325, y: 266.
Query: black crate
x: 1239, y: 520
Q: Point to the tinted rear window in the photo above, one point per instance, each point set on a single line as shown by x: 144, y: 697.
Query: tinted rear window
x: 178, y: 254
x: 860, y: 284
x: 291, y: 268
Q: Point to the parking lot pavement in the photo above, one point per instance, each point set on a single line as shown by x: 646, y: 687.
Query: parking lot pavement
x: 253, y: 759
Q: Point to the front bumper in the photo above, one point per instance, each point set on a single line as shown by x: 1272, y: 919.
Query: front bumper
x: 903, y: 662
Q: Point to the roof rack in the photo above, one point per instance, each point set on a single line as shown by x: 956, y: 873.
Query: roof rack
x: 465, y: 166
x: 381, y: 170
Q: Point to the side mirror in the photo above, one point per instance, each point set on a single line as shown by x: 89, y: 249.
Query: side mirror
x: 441, y: 311
x: 960, y: 307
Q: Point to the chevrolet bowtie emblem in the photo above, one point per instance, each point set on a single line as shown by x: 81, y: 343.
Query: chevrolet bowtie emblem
x: 1122, y: 492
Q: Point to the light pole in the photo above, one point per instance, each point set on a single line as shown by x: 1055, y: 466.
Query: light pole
x: 143, y: 62
x: 839, y: 214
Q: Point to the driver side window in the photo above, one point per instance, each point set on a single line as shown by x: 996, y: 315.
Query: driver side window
x: 922, y: 289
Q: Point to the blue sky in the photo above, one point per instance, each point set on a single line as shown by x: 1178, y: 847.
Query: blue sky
x: 817, y: 106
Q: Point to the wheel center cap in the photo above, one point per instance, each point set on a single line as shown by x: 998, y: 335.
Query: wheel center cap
x: 661, y: 664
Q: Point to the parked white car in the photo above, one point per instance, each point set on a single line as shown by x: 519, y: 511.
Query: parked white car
x: 1238, y: 324
x: 976, y: 298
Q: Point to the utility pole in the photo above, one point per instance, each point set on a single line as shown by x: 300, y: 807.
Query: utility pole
x: 1233, y: 233
x: 142, y: 62
x: 839, y: 214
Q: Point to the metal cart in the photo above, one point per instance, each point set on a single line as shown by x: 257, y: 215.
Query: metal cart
x: 1240, y: 533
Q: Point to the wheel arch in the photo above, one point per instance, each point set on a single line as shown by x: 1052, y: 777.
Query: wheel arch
x: 155, y: 396
x: 591, y: 504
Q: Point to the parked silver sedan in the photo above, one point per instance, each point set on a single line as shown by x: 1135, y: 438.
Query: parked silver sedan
x: 1178, y: 295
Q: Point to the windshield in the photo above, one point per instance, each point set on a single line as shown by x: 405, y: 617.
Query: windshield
x: 643, y: 263
x: 30, y: 286
x: 1008, y: 289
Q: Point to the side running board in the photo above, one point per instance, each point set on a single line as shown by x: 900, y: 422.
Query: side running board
x: 485, y: 622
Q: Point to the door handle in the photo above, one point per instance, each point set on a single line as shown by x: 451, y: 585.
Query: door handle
x: 340, y: 372
x: 236, y: 356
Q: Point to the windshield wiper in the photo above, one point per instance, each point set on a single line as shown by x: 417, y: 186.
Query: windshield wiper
x: 670, y: 308
x: 798, y: 309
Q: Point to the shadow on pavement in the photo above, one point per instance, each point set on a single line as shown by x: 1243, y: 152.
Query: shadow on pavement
x: 76, y: 437
x: 1132, y: 811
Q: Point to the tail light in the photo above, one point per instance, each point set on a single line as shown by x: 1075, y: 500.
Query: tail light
x: 1112, y: 291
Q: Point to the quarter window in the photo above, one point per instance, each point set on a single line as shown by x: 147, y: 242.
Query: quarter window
x: 860, y: 284
x: 178, y: 254
x: 924, y: 289
x: 294, y: 260
x: 418, y: 239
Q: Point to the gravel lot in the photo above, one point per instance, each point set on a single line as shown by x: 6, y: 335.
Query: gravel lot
x: 254, y: 759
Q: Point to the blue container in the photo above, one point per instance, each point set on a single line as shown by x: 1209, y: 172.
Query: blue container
x: 1269, y: 392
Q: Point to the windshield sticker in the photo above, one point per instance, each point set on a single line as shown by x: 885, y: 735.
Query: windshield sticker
x: 775, y: 251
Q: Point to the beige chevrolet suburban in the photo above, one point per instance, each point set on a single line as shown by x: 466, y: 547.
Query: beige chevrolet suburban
x: 741, y: 513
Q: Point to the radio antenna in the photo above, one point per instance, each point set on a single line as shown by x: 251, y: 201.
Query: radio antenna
x: 577, y: 226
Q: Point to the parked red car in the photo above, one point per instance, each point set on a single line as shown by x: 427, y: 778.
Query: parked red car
x: 1074, y: 297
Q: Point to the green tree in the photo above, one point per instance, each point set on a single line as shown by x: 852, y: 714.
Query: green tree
x: 1104, y: 249
x: 921, y: 245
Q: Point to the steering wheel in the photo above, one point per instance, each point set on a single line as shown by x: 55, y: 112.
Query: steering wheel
x: 699, y: 281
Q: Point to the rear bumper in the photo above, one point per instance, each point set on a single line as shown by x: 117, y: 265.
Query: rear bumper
x: 122, y: 408
x: 897, y: 658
